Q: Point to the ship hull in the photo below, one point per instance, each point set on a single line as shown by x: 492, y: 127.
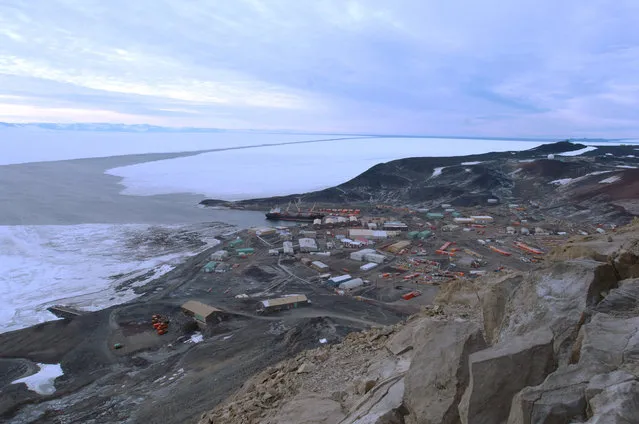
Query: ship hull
x: 293, y: 217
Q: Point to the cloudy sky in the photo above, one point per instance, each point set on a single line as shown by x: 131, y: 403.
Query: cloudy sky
x: 442, y: 67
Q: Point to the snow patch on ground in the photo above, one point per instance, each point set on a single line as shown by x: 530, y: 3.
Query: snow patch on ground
x: 626, y: 167
x: 579, y: 152
x: 282, y: 170
x: 562, y: 181
x: 527, y: 160
x: 197, y: 337
x: 470, y: 163
x: 610, y: 180
x: 42, y: 381
x: 438, y: 171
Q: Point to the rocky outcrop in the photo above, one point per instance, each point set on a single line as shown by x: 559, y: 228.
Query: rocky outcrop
x: 499, y: 372
x: 558, y: 345
x: 557, y: 298
x: 433, y: 391
x: 623, y: 301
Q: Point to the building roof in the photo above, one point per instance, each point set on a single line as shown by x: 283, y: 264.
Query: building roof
x: 307, y: 242
x: 352, y: 284
x: 341, y: 278
x: 200, y: 308
x: 286, y: 300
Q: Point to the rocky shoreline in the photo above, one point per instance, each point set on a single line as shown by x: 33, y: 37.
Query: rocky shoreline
x: 557, y: 345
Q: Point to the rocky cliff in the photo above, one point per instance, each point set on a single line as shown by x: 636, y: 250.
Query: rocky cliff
x: 558, y: 345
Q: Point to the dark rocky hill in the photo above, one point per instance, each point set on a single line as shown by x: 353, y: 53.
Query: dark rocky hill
x: 602, y: 181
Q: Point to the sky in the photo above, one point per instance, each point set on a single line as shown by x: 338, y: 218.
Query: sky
x: 525, y: 68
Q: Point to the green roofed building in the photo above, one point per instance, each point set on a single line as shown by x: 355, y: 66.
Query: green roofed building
x: 424, y: 234
x: 413, y: 234
x: 236, y: 242
x: 210, y: 267
x: 435, y: 215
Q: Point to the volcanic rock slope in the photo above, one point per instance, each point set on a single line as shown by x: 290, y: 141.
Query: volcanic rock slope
x: 558, y: 345
x: 568, y: 179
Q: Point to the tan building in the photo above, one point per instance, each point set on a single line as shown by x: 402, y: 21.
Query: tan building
x: 286, y: 302
x: 202, y: 313
x: 397, y: 247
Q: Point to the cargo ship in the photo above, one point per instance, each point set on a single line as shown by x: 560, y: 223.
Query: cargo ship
x: 276, y: 214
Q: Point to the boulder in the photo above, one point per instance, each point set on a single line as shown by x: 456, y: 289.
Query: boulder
x: 499, y: 372
x: 560, y: 398
x: 381, y: 405
x: 622, y: 301
x: 557, y: 298
x: 402, y: 341
x: 627, y: 263
x: 309, y: 408
x: 616, y: 404
x: 611, y: 342
x: 601, y: 382
x: 494, y: 302
x: 608, y: 343
x: 438, y: 374
x: 306, y: 367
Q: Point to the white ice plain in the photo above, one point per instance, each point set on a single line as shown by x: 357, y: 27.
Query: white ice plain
x: 42, y: 381
x: 296, y: 168
x: 75, y: 265
x: 23, y: 145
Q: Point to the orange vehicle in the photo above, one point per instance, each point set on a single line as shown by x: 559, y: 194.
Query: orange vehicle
x: 501, y: 252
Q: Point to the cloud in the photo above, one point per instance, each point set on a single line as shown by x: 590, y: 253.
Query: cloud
x: 498, y: 68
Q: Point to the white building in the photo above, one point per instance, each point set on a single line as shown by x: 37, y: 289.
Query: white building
x: 463, y: 220
x: 395, y: 225
x: 288, y: 248
x: 368, y: 266
x: 352, y: 284
x: 482, y: 219
x: 360, y: 254
x: 273, y: 252
x: 374, y: 234
x: 319, y: 266
x: 308, y: 245
x: 219, y: 255
x: 339, y: 279
x: 351, y: 243
x: 510, y: 230
x: 375, y: 257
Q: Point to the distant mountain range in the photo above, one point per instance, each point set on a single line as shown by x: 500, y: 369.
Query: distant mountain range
x: 142, y: 128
